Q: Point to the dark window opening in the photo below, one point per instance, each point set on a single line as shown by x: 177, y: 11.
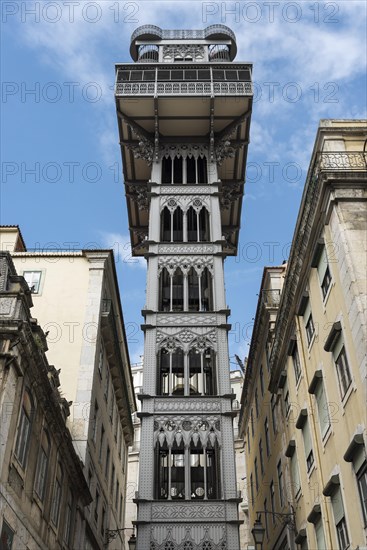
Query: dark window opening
x: 204, y: 225
x: 191, y: 170
x: 166, y: 225
x: 166, y: 170
x: 202, y: 170
x: 164, y: 291
x: 206, y: 291
x: 178, y: 372
x: 177, y: 232
x: 177, y: 170
x: 192, y: 225
x: 194, y: 297
x: 177, y: 291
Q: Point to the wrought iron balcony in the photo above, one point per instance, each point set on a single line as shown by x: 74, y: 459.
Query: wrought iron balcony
x: 341, y: 160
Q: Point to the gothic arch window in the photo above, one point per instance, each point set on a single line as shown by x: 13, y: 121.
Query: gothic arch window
x: 193, y: 288
x: 206, y: 291
x: 172, y: 225
x: 166, y: 170
x: 164, y: 291
x: 204, y: 471
x: 42, y: 465
x: 178, y: 170
x: 202, y: 372
x: 177, y: 294
x: 170, y: 372
x: 202, y: 170
x: 191, y: 169
x: 198, y: 225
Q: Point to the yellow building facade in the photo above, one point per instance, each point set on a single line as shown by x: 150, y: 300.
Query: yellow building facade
x: 310, y: 434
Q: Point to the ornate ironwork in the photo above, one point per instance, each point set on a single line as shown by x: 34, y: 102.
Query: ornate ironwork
x: 184, y: 88
x: 341, y: 160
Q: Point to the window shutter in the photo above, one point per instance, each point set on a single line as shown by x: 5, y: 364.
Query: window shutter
x: 322, y: 407
x: 322, y: 265
x: 337, y: 504
x: 338, y: 346
x: 320, y: 537
x: 307, y: 438
x: 295, y: 474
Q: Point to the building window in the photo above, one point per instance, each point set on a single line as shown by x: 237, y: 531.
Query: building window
x: 179, y: 170
x: 101, y: 444
x: 197, y: 224
x: 326, y: 282
x: 33, y: 279
x: 42, y: 465
x: 308, y: 445
x: 256, y: 404
x: 322, y: 408
x: 193, y: 292
x: 68, y: 518
x: 362, y: 488
x: 274, y: 414
x: 322, y: 269
x: 339, y: 519
x: 56, y: 501
x: 256, y: 476
x: 296, y: 363
x: 96, y: 505
x: 112, y: 484
x: 252, y: 423
x: 117, y: 493
x: 7, y: 536
x: 267, y: 440
x: 101, y: 360
x: 24, y: 429
x: 262, y: 380
x: 107, y: 463
x: 248, y: 441
x: 287, y: 405
x: 261, y: 457
x: 343, y: 371
x: 120, y: 513
x: 310, y: 329
x: 95, y: 422
x: 320, y: 536
x: 280, y: 483
x: 172, y: 225
x: 266, y: 518
x: 272, y: 501
x: 296, y: 483
x: 252, y: 489
x: 103, y: 520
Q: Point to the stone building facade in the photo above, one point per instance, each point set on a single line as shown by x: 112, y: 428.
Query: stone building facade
x: 43, y: 491
x: 313, y: 359
x: 76, y: 300
x: 184, y: 109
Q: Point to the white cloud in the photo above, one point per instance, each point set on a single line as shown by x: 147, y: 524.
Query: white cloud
x: 121, y: 246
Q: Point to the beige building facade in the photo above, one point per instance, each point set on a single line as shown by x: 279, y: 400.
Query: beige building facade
x: 43, y: 491
x: 76, y: 301
x: 313, y: 490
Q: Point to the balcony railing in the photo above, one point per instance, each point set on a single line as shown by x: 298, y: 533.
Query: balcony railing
x: 341, y: 160
x: 184, y: 88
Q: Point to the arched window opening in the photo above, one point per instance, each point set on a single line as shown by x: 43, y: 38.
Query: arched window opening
x: 202, y: 170
x: 57, y: 495
x: 209, y: 372
x: 204, y: 225
x: 212, y: 471
x: 206, y: 291
x: 177, y: 294
x: 177, y: 230
x: 194, y: 290
x: 166, y: 170
x: 166, y: 225
x: 177, y: 372
x: 191, y: 169
x: 197, y: 465
x: 161, y: 489
x: 177, y: 170
x: 24, y: 429
x: 196, y: 369
x: 164, y: 362
x: 192, y: 225
x: 164, y: 291
x: 177, y: 471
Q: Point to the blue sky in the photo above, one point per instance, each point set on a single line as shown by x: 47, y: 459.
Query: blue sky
x: 61, y: 167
